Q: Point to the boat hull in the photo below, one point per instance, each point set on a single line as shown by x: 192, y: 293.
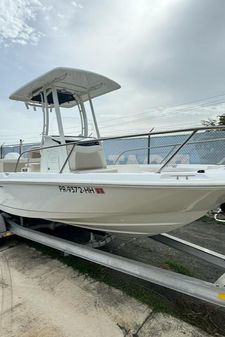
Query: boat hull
x: 149, y: 207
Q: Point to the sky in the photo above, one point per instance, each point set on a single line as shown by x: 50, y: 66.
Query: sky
x: 167, y: 55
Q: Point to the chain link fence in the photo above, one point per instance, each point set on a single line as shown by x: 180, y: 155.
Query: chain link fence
x: 204, y: 147
x: 15, y: 148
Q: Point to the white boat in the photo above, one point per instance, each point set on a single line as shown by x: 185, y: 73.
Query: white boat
x: 67, y: 179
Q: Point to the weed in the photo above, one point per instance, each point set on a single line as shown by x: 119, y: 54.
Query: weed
x: 178, y: 267
x: 208, y: 219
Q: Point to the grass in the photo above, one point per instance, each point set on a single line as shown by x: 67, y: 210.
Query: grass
x: 178, y: 267
x: 208, y: 219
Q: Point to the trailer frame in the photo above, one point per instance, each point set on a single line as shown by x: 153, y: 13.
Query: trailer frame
x: 209, y: 292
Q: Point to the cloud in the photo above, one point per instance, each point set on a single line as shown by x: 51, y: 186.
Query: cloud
x: 76, y: 4
x: 187, y: 60
x: 163, y: 52
x: 16, y: 21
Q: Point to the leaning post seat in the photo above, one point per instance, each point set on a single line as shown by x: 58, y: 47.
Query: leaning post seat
x: 86, y: 156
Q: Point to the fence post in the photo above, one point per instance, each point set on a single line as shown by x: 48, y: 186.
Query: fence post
x: 149, y: 142
x: 2, y: 150
x: 20, y: 146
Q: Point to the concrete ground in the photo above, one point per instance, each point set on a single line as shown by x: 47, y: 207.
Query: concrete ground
x: 42, y: 297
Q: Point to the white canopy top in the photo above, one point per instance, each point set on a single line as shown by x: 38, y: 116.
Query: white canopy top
x: 69, y: 83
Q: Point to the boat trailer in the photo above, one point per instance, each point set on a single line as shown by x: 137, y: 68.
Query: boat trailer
x: 210, y: 292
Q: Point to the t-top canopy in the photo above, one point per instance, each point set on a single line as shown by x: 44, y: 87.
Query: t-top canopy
x: 70, y: 85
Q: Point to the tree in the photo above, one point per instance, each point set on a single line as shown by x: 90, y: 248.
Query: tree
x: 209, y: 122
x: 214, y: 122
x: 221, y: 120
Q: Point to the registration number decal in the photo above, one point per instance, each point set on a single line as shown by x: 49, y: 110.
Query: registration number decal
x: 81, y: 189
